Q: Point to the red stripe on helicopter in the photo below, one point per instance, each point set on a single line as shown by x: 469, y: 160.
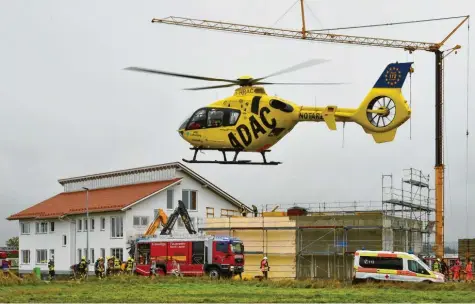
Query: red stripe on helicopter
x: 265, y: 147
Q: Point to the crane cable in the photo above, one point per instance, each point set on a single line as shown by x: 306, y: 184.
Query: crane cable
x: 386, y: 24
x: 285, y: 13
x: 467, y: 133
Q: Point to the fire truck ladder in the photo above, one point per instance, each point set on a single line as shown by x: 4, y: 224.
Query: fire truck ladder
x: 185, y: 217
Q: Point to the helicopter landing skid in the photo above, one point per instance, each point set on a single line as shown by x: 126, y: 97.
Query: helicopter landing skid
x: 229, y: 162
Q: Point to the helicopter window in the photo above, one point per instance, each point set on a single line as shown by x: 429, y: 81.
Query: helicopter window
x: 215, y: 118
x: 222, y: 118
x: 233, y: 117
x: 277, y: 104
x: 198, y: 120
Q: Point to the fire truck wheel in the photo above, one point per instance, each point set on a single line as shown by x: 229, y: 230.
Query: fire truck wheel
x: 214, y: 273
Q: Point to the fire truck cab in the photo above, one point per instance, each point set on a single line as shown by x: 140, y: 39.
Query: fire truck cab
x: 194, y: 255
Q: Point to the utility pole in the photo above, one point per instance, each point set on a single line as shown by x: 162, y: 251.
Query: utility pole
x: 87, y: 222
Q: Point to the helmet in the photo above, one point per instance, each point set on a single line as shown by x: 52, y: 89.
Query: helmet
x: 100, y: 258
x: 129, y: 259
x: 83, y: 258
x: 438, y: 259
x: 265, y: 258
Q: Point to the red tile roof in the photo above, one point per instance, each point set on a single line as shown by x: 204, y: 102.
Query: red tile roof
x: 100, y: 200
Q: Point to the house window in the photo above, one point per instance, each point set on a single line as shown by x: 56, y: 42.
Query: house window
x: 229, y: 213
x: 64, y: 240
x: 79, y: 225
x: 103, y: 223
x: 41, y: 227
x: 25, y: 228
x: 170, y: 193
x: 103, y: 253
x: 93, y: 258
x: 85, y: 224
x: 140, y: 220
x: 51, y: 227
x: 25, y: 256
x: 117, y: 227
x: 209, y: 212
x: 189, y: 198
x: 79, y: 256
x: 51, y: 253
x: 118, y: 253
x: 92, y: 224
x: 41, y: 257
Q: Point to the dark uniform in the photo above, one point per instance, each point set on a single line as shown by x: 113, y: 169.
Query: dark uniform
x: 51, y: 269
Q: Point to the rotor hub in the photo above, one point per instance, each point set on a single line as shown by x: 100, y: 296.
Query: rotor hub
x: 245, y: 80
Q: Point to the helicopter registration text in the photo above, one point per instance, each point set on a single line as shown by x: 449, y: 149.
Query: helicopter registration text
x: 311, y: 116
x: 256, y: 128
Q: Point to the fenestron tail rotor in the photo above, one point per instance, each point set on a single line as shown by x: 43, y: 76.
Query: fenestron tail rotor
x: 242, y: 81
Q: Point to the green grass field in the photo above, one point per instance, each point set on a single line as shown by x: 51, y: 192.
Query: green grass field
x: 139, y: 289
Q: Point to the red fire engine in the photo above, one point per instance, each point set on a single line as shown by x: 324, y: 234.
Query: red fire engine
x: 190, y: 256
x: 193, y: 255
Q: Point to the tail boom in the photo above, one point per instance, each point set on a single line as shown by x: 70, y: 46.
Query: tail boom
x: 381, y: 112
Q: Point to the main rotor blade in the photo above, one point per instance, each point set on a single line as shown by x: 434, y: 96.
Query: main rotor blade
x: 296, y: 67
x: 211, y: 87
x: 302, y: 83
x: 145, y: 70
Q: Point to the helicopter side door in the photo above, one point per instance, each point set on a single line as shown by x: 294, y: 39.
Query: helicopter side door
x: 210, y: 126
x: 206, y: 118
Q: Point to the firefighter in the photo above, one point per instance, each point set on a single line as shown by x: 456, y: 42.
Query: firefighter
x: 130, y: 265
x: 110, y: 265
x: 99, y: 267
x: 116, y: 265
x: 444, y: 268
x: 469, y: 272
x: 51, y: 268
x: 456, y: 270
x: 265, y: 267
x: 82, y: 266
x: 436, y: 266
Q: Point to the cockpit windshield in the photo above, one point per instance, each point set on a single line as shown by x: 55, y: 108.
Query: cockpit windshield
x: 237, y: 248
x: 211, y: 118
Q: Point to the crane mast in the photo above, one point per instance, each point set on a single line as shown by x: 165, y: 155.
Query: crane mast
x: 406, y: 45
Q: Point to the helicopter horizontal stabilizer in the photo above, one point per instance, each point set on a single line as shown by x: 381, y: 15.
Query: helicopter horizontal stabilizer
x: 384, y: 136
x: 329, y: 117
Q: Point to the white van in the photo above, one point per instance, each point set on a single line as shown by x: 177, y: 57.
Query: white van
x: 392, y: 266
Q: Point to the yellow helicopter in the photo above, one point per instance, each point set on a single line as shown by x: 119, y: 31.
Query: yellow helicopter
x: 252, y: 121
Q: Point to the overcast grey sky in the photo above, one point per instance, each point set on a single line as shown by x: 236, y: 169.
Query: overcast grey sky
x: 69, y: 109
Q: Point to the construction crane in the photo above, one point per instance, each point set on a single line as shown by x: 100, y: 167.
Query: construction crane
x: 160, y: 219
x: 411, y: 46
x: 167, y: 224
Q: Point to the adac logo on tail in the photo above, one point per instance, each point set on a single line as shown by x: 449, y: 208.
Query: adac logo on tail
x: 393, y: 76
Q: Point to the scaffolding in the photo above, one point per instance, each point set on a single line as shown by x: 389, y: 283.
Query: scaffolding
x: 412, y: 201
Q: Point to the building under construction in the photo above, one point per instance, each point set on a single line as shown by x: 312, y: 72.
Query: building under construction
x: 318, y: 240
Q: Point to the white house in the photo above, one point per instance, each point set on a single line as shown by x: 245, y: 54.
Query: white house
x: 121, y: 205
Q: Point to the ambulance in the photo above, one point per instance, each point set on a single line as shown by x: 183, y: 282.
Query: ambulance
x: 392, y: 266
